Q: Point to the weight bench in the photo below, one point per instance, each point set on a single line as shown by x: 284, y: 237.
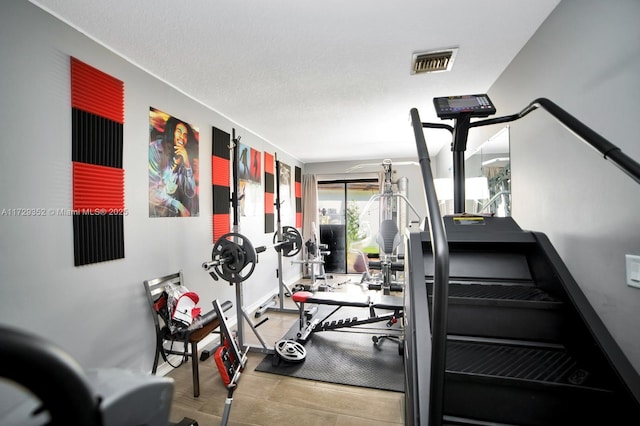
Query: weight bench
x: 385, y: 302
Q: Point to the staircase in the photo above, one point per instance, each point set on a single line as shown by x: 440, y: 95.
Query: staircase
x: 523, y: 347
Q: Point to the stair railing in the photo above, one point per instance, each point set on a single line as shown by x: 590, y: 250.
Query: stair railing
x: 440, y: 249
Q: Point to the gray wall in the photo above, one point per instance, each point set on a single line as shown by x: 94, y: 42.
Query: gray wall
x: 98, y: 312
x: 586, y: 59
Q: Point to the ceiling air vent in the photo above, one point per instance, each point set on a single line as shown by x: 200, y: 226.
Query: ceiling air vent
x: 435, y: 61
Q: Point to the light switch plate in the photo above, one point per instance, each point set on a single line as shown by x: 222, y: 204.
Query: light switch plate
x: 633, y: 270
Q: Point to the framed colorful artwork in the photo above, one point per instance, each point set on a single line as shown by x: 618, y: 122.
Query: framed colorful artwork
x: 174, y: 178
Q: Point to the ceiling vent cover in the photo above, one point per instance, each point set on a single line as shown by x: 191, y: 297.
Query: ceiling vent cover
x: 434, y: 61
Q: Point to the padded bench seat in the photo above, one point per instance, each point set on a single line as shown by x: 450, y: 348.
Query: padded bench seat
x: 382, y: 301
x: 335, y: 299
x: 386, y: 301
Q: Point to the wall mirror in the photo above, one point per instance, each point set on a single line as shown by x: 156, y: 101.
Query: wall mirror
x: 488, y: 176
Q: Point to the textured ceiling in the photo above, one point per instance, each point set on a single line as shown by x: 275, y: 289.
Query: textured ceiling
x: 321, y: 81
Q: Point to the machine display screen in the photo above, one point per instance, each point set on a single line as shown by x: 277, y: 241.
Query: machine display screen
x: 473, y: 105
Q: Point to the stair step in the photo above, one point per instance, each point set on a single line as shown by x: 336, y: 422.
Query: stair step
x: 463, y: 421
x: 505, y: 310
x: 521, y: 383
x: 543, y: 363
x: 498, y: 291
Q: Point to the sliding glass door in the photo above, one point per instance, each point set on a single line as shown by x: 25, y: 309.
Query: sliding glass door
x: 348, y: 222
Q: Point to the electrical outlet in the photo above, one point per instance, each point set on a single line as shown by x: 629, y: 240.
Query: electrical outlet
x: 633, y: 270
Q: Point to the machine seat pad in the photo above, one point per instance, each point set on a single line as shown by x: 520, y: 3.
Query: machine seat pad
x: 301, y: 296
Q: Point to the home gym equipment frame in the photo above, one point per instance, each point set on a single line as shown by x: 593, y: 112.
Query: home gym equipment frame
x: 234, y: 257
x: 276, y: 301
x: 390, y: 204
x: 315, y: 253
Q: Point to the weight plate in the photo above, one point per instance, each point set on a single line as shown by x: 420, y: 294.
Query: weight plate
x: 291, y: 242
x: 237, y: 257
x: 290, y: 350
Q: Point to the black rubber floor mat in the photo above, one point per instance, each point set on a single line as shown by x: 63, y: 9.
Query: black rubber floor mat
x: 347, y: 357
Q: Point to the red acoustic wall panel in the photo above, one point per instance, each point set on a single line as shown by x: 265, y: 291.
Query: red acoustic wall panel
x: 88, y: 177
x: 96, y: 92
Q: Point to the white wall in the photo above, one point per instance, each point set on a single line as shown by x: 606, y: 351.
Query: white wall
x: 586, y: 59
x: 98, y: 312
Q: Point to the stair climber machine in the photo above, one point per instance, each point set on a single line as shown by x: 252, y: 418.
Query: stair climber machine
x: 509, y: 337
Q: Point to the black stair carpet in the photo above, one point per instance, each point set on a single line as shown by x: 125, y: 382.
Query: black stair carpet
x: 345, y: 357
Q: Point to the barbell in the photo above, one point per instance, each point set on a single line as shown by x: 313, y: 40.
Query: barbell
x: 233, y: 257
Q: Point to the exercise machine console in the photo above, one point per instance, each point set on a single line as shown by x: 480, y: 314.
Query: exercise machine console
x: 454, y: 106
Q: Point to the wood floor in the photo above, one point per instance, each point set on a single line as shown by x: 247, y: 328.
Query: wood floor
x: 274, y: 400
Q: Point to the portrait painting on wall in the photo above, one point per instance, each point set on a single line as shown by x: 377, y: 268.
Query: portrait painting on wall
x: 249, y: 173
x: 173, y: 166
x: 249, y: 163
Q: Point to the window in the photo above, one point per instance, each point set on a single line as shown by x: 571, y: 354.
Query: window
x: 345, y: 227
